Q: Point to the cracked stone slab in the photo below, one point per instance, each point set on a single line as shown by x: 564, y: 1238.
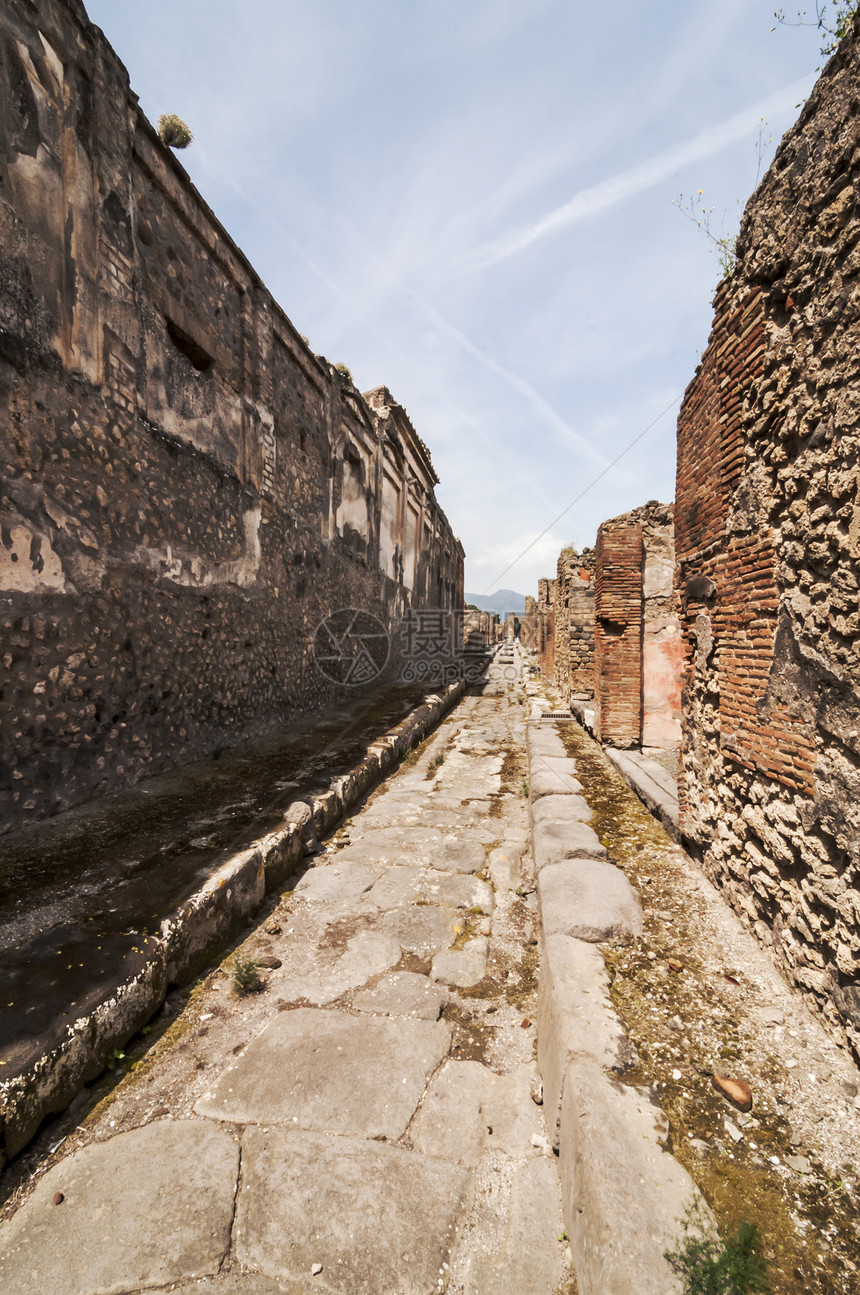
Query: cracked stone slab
x: 561, y: 808
x: 448, y: 1124
x: 460, y: 890
x: 423, y: 929
x: 468, y: 1108
x: 589, y: 899
x: 530, y: 1258
x: 412, y: 846
x: 338, y: 881
x: 106, y: 1237
x: 397, y: 886
x: 366, y: 955
x: 331, y: 1072
x: 462, y: 967
x: 555, y: 841
x: 403, y: 993
x: 389, y: 1214
x: 239, y: 1283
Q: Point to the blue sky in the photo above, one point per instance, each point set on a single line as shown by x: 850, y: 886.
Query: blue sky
x: 471, y: 201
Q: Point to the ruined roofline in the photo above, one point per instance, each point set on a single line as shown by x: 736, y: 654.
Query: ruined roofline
x: 651, y: 511
x: 382, y: 402
x: 91, y: 32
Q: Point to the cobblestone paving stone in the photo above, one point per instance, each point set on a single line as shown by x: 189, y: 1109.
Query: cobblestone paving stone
x: 366, y: 1124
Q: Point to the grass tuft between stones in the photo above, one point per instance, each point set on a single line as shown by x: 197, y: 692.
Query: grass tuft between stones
x: 709, y: 1266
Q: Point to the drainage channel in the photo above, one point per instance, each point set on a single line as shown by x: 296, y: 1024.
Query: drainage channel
x: 86, y: 899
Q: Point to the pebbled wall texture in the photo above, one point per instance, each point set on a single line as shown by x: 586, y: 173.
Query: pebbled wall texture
x: 186, y: 491
x: 767, y: 534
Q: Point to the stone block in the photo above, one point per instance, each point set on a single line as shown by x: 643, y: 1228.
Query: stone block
x: 589, y: 899
x: 624, y: 1197
x: 144, y: 1209
x: 575, y: 1018
x: 389, y: 1214
x: 330, y: 1072
x: 555, y: 841
x: 561, y: 808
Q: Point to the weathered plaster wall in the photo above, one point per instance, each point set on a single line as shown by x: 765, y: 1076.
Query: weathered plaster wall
x: 662, y: 644
x: 186, y: 490
x: 768, y: 551
x: 480, y: 629
x: 637, y: 639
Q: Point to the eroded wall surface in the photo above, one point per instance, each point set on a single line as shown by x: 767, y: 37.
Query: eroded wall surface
x: 187, y: 491
x: 768, y: 546
x: 544, y: 644
x: 574, y: 624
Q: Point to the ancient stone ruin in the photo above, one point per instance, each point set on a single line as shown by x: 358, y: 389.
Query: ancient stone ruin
x: 466, y: 1031
x: 766, y: 550
x: 188, y: 491
x: 767, y: 534
x: 607, y: 632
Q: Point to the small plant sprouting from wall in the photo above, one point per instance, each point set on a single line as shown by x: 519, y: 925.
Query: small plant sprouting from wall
x: 832, y: 21
x: 340, y: 367
x: 709, y: 1266
x: 173, y: 131
x: 725, y: 245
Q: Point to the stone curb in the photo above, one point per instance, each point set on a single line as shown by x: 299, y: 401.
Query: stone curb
x: 235, y: 890
x: 624, y: 1196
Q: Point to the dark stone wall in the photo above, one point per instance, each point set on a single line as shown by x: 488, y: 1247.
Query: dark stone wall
x: 768, y: 549
x: 186, y: 492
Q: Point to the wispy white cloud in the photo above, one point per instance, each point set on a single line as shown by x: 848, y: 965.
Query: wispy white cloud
x: 549, y: 416
x: 636, y: 179
x: 543, y: 553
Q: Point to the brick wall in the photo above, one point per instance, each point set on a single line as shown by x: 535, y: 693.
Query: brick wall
x: 768, y: 553
x: 615, y: 629
x: 545, y: 627
x: 186, y: 491
x: 618, y: 632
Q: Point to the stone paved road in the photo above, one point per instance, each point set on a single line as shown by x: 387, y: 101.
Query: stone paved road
x: 374, y: 1129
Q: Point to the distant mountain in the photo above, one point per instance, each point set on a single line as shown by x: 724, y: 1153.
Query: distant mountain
x: 502, y: 602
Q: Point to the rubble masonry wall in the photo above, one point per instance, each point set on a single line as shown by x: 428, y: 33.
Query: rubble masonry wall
x: 187, y: 491
x: 767, y: 533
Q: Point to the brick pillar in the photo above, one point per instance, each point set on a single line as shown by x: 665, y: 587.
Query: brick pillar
x: 618, y: 633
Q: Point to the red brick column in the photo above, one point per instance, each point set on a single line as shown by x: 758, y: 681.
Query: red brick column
x: 618, y: 634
